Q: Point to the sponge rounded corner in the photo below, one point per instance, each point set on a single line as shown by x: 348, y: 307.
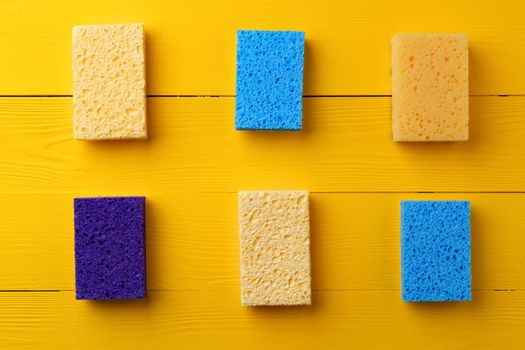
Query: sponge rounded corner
x: 269, y: 81
x: 275, y: 248
x: 435, y: 251
x: 109, y: 85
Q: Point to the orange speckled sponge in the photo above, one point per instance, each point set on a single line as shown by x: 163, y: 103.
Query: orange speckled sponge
x: 109, y: 85
x: 430, y: 87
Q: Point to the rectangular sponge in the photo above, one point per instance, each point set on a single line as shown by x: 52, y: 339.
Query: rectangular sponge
x: 269, y: 80
x: 109, y: 94
x: 275, y: 248
x: 430, y: 87
x: 110, y: 257
x: 435, y: 250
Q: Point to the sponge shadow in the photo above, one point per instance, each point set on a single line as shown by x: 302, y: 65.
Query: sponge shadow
x: 423, y: 149
x: 475, y: 127
x: 130, y: 305
x: 437, y: 308
x: 127, y: 142
x: 314, y: 244
x: 440, y: 309
x: 152, y: 269
x: 111, y: 305
x: 273, y: 135
x: 151, y: 133
x: 103, y: 312
x: 291, y: 310
x: 309, y: 67
x: 284, y: 140
x: 476, y: 249
x: 287, y: 310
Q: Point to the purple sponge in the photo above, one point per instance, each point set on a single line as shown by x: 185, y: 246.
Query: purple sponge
x: 110, y: 257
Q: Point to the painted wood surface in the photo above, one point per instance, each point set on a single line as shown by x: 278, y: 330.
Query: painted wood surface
x: 193, y: 243
x: 191, y: 45
x: 214, y: 320
x: 195, y: 162
x: 346, y: 145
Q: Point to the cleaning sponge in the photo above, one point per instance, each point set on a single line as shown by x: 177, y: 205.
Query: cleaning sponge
x: 110, y: 247
x: 269, y: 80
x: 109, y: 95
x: 430, y: 87
x: 435, y: 250
x: 275, y: 248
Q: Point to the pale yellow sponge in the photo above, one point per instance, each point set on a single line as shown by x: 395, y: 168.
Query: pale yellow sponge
x: 275, y: 248
x: 109, y: 85
x: 430, y: 87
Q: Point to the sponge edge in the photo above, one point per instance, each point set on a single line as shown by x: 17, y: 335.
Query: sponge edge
x: 269, y: 80
x: 430, y: 94
x: 275, y: 248
x: 435, y: 250
x: 110, y: 247
x: 109, y: 95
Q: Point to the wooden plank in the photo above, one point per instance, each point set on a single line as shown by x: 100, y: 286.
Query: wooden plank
x: 192, y: 240
x: 346, y: 145
x: 206, y: 320
x: 191, y: 47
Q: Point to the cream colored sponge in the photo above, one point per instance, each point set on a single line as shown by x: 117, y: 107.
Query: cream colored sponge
x: 275, y: 248
x: 430, y: 87
x: 109, y: 85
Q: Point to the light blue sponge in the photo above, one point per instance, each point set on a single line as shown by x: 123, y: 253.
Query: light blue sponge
x: 435, y: 250
x: 269, y: 80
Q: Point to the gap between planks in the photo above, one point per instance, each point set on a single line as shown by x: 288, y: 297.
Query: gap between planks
x: 231, y: 96
x: 227, y: 290
x: 244, y: 189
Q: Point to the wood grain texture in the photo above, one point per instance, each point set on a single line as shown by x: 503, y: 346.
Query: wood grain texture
x: 193, y: 240
x: 194, y: 163
x: 215, y: 320
x: 191, y: 45
x: 346, y: 145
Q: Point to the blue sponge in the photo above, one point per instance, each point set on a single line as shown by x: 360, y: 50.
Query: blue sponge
x: 269, y: 80
x: 435, y: 250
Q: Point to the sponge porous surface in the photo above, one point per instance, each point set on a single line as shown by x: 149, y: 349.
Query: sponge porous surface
x: 110, y: 247
x: 275, y: 248
x: 435, y: 250
x: 430, y: 87
x: 269, y: 80
x: 109, y: 93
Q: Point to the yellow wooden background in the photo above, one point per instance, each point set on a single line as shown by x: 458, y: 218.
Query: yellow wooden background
x: 194, y: 163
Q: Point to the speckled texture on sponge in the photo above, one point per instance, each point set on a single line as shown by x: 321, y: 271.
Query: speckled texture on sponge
x: 269, y: 80
x: 275, y: 248
x: 430, y: 87
x: 435, y: 250
x: 110, y: 257
x: 109, y: 85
